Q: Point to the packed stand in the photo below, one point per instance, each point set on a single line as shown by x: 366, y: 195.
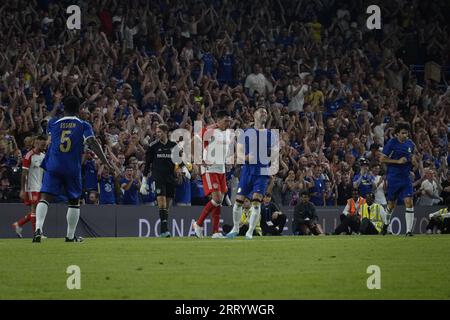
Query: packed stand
x: 334, y: 88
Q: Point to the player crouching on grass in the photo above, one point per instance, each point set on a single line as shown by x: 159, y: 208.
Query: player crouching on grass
x: 214, y: 139
x: 159, y: 158
x: 62, y: 165
x: 31, y: 183
x: 439, y: 220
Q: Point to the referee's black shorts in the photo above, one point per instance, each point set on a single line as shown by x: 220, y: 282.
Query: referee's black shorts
x: 163, y: 188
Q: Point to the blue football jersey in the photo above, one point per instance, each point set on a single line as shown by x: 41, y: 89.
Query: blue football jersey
x: 396, y: 150
x: 90, y: 180
x: 67, y: 145
x: 107, y: 190
x: 366, y: 183
x: 183, y: 192
x: 258, y: 146
x: 130, y: 196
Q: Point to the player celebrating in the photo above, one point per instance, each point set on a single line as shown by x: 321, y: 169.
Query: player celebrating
x: 31, y: 182
x: 398, y: 155
x: 214, y: 173
x: 159, y: 157
x: 62, y: 165
x: 254, y: 177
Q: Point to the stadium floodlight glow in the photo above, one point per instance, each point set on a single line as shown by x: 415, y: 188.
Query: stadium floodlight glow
x: 264, y: 147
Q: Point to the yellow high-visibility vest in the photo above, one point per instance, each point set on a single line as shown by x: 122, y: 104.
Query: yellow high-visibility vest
x: 373, y: 215
x: 442, y: 213
x: 244, y: 220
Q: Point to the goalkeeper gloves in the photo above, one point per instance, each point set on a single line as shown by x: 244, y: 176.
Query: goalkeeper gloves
x: 144, y: 187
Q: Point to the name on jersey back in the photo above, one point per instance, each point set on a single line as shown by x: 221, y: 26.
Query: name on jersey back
x: 68, y: 125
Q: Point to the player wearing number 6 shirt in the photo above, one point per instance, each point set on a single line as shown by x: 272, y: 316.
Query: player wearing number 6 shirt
x: 62, y: 165
x: 31, y: 182
x: 398, y: 155
x: 216, y: 146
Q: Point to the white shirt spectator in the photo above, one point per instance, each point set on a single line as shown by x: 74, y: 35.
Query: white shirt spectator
x: 187, y: 54
x: 128, y: 35
x: 380, y: 196
x: 256, y: 82
x: 430, y: 193
x: 297, y: 101
x: 379, y: 133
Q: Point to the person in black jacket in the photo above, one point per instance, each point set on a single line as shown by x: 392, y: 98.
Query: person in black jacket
x: 272, y: 219
x: 305, y: 217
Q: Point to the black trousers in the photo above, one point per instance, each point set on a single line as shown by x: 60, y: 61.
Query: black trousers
x: 277, y: 228
x: 348, y: 224
x: 367, y: 227
x: 443, y: 225
x: 306, y: 228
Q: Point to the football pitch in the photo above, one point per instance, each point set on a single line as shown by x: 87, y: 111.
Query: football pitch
x: 331, y: 267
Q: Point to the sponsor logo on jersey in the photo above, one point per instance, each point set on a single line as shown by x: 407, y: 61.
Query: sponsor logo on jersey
x: 108, y: 187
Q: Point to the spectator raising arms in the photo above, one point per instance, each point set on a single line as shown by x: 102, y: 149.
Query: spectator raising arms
x: 334, y: 89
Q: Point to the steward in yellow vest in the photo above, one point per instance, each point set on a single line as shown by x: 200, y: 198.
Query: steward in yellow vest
x: 441, y: 220
x: 373, y: 216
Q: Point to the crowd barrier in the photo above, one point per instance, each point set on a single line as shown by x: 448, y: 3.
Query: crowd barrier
x: 143, y: 221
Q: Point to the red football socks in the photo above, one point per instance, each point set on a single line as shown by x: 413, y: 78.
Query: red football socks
x: 205, y: 212
x: 24, y: 220
x: 215, y: 219
x: 33, y: 221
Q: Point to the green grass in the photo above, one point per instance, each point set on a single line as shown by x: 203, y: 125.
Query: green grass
x: 265, y: 268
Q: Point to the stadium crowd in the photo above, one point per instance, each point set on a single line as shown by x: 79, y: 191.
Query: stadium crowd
x: 334, y: 88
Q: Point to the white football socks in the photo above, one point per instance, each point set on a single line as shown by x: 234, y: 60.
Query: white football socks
x: 409, y: 217
x: 41, y: 213
x: 255, y: 216
x: 388, y: 215
x: 237, y: 214
x: 73, y: 214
